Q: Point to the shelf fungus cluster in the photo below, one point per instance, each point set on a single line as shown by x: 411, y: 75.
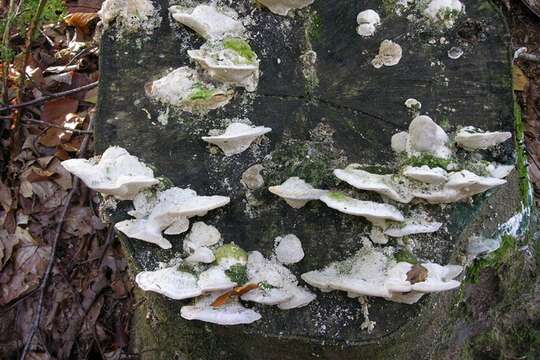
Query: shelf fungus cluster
x: 236, y: 138
x: 282, y: 7
x: 227, y: 277
x: 375, y: 272
x: 129, y: 15
x: 225, y: 62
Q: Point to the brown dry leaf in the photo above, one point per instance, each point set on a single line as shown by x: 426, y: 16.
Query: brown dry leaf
x: 54, y: 136
x: 79, y: 221
x: 60, y: 175
x: 36, y: 174
x: 7, y: 243
x: 82, y: 21
x: 229, y: 295
x: 28, y: 265
x: 520, y: 80
x: 417, y: 274
x: 5, y: 197
x: 58, y: 109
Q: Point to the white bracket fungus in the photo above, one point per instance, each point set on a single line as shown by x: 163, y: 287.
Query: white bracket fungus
x: 390, y: 54
x: 425, y: 174
x: 207, y: 21
x: 229, y: 61
x: 471, y: 138
x: 282, y: 7
x: 296, y: 192
x: 367, y: 20
x: 184, y: 88
x: 410, y: 227
x: 271, y: 275
x: 445, y: 12
x: 236, y: 138
x: 168, y: 208
x: 252, y: 177
x: 374, y: 272
x: 381, y: 184
x: 129, y: 14
x: 288, y: 249
x: 115, y: 173
x: 231, y: 313
x: 424, y: 137
x: 376, y: 213
x: 198, y: 241
x: 170, y: 282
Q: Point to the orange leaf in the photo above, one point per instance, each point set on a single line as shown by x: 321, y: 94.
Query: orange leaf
x: 81, y: 21
x: 236, y: 292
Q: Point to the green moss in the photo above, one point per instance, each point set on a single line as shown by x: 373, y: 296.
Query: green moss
x: 521, y: 156
x: 230, y: 251
x: 186, y: 268
x: 405, y: 256
x: 494, y: 260
x: 265, y: 286
x: 337, y: 196
x: 241, y: 47
x: 201, y: 92
x: 427, y: 159
x: 314, y: 27
x: 238, y: 274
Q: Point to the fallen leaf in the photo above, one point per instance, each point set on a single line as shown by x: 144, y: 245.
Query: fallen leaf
x: 417, y: 274
x: 81, y: 21
x: 520, y: 81
x: 229, y: 295
x: 7, y: 243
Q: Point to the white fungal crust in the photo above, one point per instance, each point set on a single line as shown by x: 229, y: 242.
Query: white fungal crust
x: 230, y: 61
x: 231, y: 313
x: 237, y: 138
x: 411, y: 227
x: 381, y: 184
x: 374, y: 272
x: 184, y: 88
x: 444, y: 11
x: 426, y: 137
x: 296, y: 192
x: 390, y: 54
x: 425, y: 174
x: 208, y: 21
x: 170, y: 282
x: 252, y: 178
x: 116, y: 173
x: 399, y: 141
x: 129, y: 15
x: 198, y: 243
x: 471, y: 138
x: 376, y: 213
x: 499, y: 171
x: 167, y: 209
x: 282, y: 7
x: 288, y: 249
x: 368, y: 21
x: 277, y: 284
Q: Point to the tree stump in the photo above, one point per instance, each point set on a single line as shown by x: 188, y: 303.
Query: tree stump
x: 337, y: 111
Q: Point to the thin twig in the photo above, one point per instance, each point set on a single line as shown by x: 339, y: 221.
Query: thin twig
x: 51, y: 96
x: 41, y: 122
x: 529, y: 57
x: 58, y: 231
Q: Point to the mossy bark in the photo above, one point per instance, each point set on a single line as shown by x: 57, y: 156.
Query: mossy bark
x: 324, y: 115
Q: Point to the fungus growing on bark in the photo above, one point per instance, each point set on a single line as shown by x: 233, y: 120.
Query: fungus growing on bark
x: 374, y: 272
x: 157, y: 213
x: 184, y: 88
x: 444, y: 12
x: 208, y: 21
x: 282, y: 7
x: 390, y: 54
x: 368, y: 21
x: 425, y: 174
x: 230, y: 61
x: 129, y: 15
x: 374, y: 212
x: 115, y: 173
x: 198, y: 243
x: 237, y: 138
x: 288, y: 249
x: 471, y: 138
x: 252, y: 177
x: 231, y: 313
x: 296, y: 192
x: 170, y: 282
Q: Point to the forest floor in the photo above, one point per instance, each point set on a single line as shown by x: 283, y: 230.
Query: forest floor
x: 64, y: 287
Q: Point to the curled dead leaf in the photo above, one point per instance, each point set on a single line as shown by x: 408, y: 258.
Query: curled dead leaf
x: 236, y: 292
x: 82, y: 21
x: 417, y: 274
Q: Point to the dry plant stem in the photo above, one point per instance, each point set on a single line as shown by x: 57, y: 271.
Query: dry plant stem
x: 58, y: 231
x: 40, y: 122
x: 5, y: 43
x: 26, y: 56
x: 530, y: 57
x: 50, y: 97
